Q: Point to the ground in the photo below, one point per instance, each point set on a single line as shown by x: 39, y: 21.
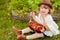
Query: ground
x: 6, y: 24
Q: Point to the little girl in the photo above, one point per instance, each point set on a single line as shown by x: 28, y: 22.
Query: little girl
x: 44, y: 17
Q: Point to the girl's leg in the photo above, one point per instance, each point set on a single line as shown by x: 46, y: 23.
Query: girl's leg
x: 34, y: 36
x: 18, y: 31
x: 26, y: 30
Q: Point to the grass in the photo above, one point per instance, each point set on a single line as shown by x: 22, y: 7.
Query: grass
x: 6, y: 24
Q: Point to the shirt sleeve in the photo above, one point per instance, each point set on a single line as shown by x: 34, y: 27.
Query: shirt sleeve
x: 36, y: 18
x: 52, y: 25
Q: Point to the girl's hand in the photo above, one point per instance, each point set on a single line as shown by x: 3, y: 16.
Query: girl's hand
x: 32, y: 14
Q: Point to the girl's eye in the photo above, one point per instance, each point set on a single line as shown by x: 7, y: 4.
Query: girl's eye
x: 45, y: 7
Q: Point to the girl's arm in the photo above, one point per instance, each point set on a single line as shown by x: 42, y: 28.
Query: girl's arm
x: 50, y: 24
x: 32, y: 16
x: 44, y: 23
x: 46, y: 26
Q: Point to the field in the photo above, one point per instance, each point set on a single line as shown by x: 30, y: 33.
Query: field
x: 6, y: 24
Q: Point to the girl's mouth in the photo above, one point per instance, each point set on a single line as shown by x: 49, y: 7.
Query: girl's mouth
x: 43, y: 11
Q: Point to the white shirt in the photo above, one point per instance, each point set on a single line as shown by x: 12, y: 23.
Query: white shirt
x: 50, y: 23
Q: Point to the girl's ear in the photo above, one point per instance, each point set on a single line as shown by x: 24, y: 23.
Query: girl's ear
x: 38, y: 8
x: 51, y: 11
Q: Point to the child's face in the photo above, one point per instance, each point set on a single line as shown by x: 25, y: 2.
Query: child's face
x: 44, y: 9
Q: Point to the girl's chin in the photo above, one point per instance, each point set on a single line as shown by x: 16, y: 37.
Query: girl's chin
x: 43, y: 13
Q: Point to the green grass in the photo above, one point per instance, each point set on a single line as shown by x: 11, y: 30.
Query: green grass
x: 6, y: 24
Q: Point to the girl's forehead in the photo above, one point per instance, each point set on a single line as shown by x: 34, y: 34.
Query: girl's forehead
x: 44, y: 6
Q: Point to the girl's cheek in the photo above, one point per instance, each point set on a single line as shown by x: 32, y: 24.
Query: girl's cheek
x: 47, y: 11
x: 44, y: 11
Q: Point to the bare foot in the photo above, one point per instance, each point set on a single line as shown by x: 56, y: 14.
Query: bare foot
x: 18, y: 37
x: 21, y: 37
x: 17, y: 31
